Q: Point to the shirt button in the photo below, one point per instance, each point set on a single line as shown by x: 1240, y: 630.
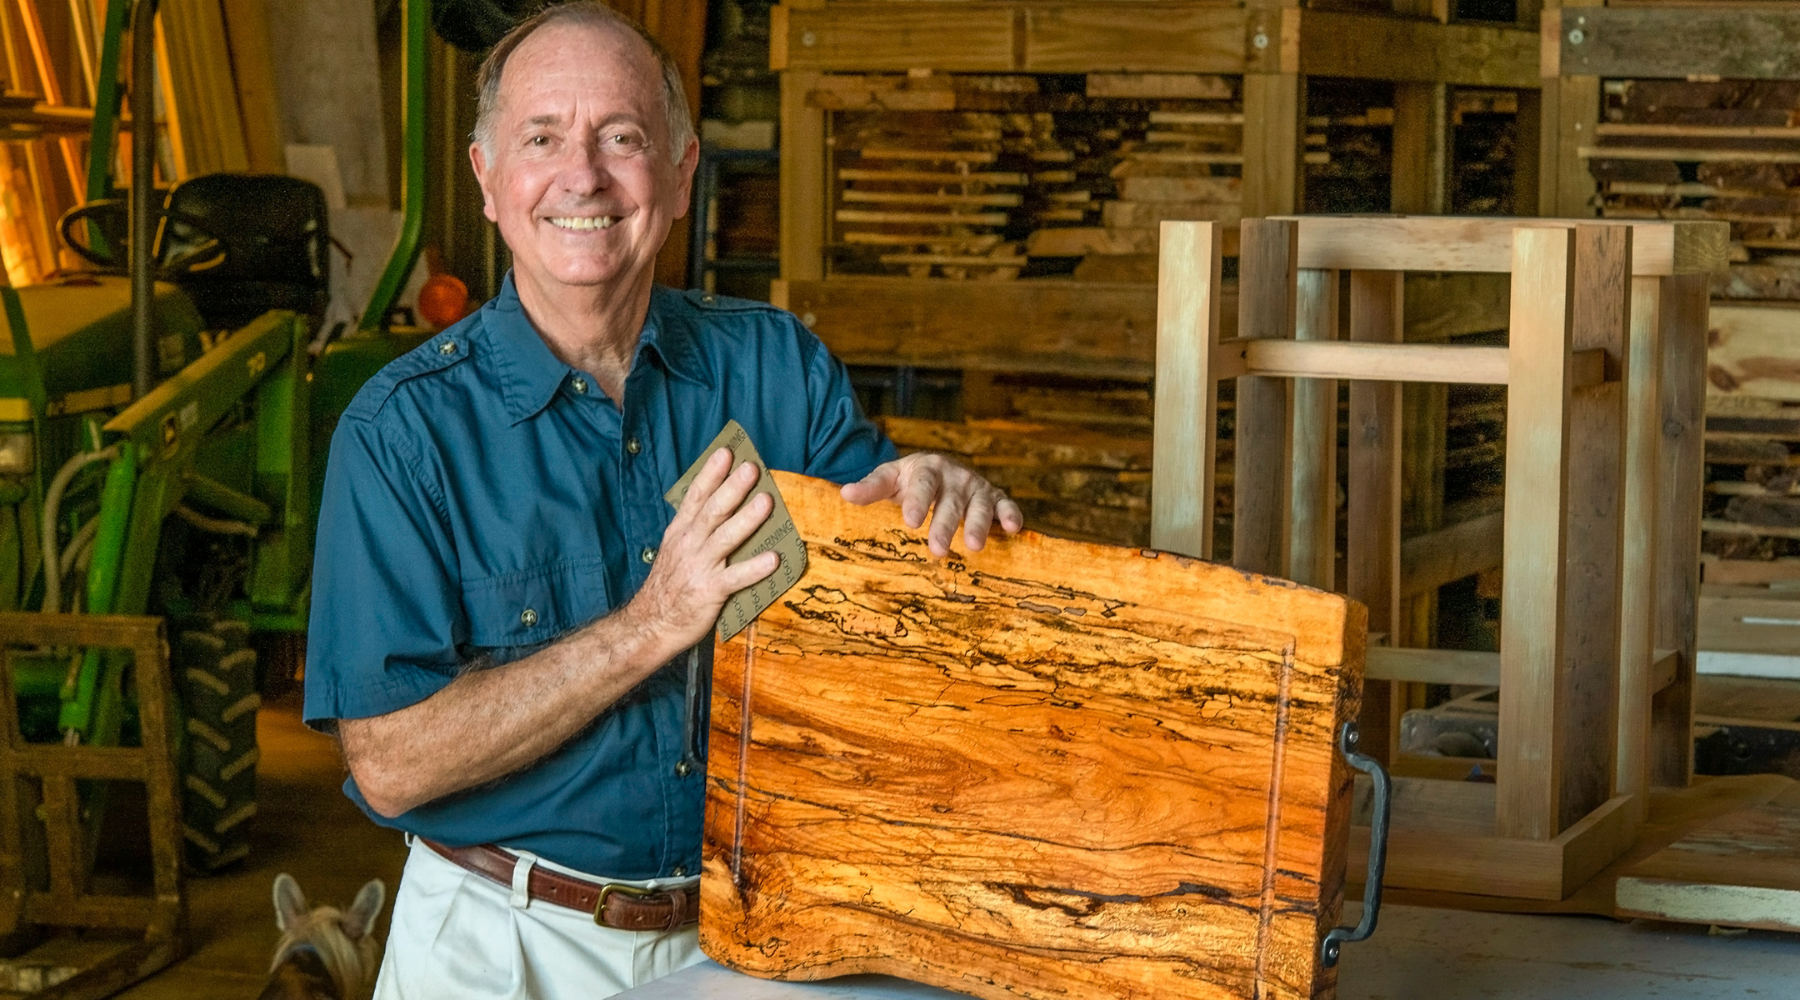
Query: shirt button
x: 648, y: 555
x: 579, y: 385
x: 632, y: 446
x: 682, y: 769
x: 528, y: 618
x: 447, y: 347
x: 708, y: 299
x: 678, y: 871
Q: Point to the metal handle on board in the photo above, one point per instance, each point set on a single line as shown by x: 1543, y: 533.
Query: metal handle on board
x: 1378, y: 833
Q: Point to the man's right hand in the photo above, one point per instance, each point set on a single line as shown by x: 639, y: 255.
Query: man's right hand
x: 689, y: 582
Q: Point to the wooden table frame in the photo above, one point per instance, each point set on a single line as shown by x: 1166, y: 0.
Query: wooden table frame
x: 1105, y: 329
x: 1604, y: 374
x: 65, y: 899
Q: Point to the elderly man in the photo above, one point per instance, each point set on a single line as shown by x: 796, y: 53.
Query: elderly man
x: 501, y: 593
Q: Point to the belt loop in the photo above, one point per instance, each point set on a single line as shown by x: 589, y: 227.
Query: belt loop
x: 521, y: 879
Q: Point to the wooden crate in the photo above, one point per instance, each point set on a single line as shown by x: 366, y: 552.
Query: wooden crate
x: 1241, y: 68
x: 1603, y: 373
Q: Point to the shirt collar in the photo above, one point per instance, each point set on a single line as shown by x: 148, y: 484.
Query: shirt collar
x: 530, y: 375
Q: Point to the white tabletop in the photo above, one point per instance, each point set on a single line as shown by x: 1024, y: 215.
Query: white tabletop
x: 1441, y: 954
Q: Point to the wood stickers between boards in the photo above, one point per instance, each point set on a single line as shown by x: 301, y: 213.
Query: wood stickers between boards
x: 1047, y: 769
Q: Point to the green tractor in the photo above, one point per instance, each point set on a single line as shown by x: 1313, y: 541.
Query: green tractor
x: 157, y: 435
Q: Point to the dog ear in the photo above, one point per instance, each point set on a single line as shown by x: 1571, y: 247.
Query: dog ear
x: 290, y: 902
x: 360, y: 919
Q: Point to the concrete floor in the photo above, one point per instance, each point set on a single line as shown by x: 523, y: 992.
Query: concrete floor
x: 307, y: 828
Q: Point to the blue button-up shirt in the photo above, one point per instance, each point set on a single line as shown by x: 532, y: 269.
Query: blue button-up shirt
x: 483, y: 498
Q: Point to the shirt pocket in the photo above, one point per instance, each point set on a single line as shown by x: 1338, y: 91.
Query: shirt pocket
x: 534, y: 606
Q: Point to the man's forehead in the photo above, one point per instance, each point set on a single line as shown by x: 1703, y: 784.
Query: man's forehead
x: 596, y: 48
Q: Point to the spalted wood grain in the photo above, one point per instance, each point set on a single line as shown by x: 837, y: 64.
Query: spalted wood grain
x: 1047, y: 769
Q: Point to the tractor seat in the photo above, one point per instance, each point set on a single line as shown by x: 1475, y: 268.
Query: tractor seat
x: 276, y: 237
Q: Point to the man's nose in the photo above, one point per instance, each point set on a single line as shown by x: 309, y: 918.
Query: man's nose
x: 585, y: 172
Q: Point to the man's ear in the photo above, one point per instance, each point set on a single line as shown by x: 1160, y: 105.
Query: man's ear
x: 684, y: 176
x: 478, y: 161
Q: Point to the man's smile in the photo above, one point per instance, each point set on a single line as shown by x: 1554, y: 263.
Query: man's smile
x: 583, y: 221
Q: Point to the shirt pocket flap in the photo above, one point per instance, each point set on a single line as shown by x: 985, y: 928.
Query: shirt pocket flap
x: 534, y: 606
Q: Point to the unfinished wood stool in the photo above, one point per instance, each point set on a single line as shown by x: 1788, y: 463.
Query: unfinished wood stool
x: 1604, y: 371
x: 1046, y: 769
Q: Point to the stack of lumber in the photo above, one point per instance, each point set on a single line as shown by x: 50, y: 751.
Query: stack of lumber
x: 1349, y: 143
x: 922, y: 194
x: 1188, y: 166
x: 1069, y: 480
x: 1753, y: 472
x: 1484, y: 135
x: 1710, y: 150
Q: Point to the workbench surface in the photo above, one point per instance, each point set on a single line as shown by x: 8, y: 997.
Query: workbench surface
x: 1441, y: 954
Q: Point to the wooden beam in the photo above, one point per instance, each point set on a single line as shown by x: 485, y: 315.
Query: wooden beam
x: 1680, y: 311
x: 1470, y: 243
x: 1433, y: 666
x: 1449, y: 861
x: 862, y: 36
x: 1266, y: 313
x: 1312, y: 521
x: 1588, y: 676
x: 1637, y: 625
x: 1420, y: 181
x: 1186, y: 427
x: 1531, y: 623
x: 1274, y: 110
x: 1750, y: 43
x: 1380, y: 47
x: 804, y: 191
x: 1372, y: 554
x: 1449, y: 363
x: 1100, y: 330
x: 1570, y: 113
x: 1427, y: 562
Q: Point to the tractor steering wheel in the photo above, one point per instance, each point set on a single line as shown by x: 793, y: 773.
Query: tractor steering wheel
x: 111, y: 216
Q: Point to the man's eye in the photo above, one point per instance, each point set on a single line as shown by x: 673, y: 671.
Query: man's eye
x: 624, y: 139
x: 538, y: 140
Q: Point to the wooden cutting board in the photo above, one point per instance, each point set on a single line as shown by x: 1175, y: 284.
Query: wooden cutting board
x: 1048, y: 769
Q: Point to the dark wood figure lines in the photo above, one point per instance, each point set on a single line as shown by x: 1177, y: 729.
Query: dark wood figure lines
x: 1047, y: 769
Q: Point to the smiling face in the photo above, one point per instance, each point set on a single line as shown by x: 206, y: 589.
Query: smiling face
x: 580, y: 176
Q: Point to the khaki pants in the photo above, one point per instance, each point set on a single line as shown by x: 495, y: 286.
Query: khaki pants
x: 455, y: 934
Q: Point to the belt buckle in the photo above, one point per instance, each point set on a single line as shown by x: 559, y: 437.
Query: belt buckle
x: 611, y: 887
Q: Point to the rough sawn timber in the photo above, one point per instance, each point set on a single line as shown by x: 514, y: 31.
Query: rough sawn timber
x: 1047, y: 769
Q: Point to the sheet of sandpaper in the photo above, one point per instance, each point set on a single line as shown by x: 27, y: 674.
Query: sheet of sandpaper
x: 776, y: 533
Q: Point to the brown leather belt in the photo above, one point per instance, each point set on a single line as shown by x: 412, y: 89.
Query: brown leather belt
x: 622, y: 907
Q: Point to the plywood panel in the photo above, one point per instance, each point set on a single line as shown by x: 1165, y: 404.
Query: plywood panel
x: 1046, y: 769
x: 1739, y: 870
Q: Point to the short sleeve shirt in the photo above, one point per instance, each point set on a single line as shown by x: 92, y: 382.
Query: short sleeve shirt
x: 482, y: 498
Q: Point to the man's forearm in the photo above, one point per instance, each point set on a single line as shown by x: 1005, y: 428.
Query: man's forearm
x: 487, y: 724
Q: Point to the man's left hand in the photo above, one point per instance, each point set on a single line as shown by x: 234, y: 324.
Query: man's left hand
x: 925, y: 482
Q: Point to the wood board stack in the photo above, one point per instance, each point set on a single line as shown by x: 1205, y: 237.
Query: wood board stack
x: 1349, y: 145
x: 1484, y: 138
x: 918, y: 198
x: 1710, y: 150
x: 1071, y: 481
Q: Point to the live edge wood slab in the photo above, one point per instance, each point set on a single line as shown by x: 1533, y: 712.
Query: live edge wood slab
x: 1047, y: 769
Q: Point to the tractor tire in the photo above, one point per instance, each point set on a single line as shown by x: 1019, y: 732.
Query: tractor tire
x: 215, y: 671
